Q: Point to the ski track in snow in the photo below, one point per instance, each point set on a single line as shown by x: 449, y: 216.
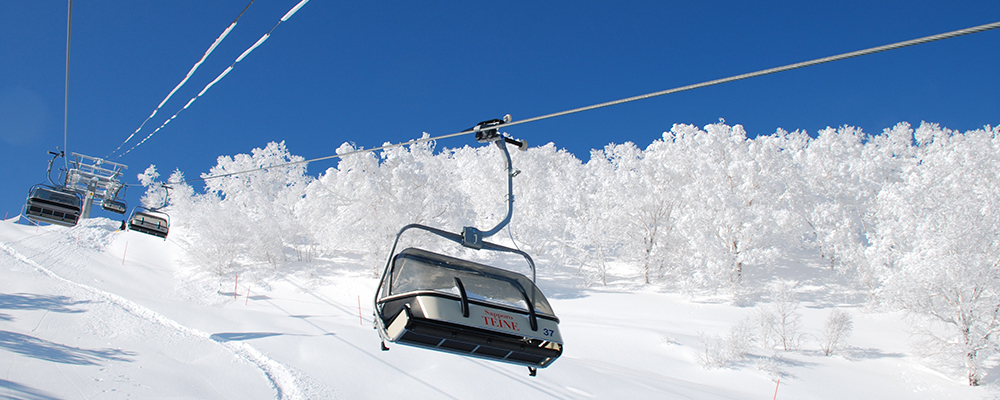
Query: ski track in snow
x: 279, y: 376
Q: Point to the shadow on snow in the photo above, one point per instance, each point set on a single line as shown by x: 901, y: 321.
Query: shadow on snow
x: 20, y: 301
x: 41, y: 349
x: 241, y: 336
x: 17, y: 391
x: 59, y: 304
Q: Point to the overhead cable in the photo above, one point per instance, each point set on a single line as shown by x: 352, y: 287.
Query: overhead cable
x: 893, y: 46
x: 69, y: 25
x: 288, y: 15
x: 186, y: 77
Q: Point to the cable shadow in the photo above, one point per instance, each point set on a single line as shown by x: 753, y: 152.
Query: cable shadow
x: 27, y: 301
x: 33, y: 347
x: 395, y: 368
x: 241, y: 336
x: 522, y: 379
x: 17, y: 391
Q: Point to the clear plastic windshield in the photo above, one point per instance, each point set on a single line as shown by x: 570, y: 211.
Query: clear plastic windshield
x: 417, y: 270
x: 57, y: 197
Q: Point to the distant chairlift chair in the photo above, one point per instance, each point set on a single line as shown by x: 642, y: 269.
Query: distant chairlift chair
x: 53, y: 204
x: 114, y: 206
x: 110, y: 201
x: 150, y: 222
x: 443, y: 303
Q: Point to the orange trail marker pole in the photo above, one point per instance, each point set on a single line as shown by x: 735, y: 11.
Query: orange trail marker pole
x: 776, y: 389
x: 236, y: 287
x: 247, y: 301
x: 361, y: 319
x: 124, y: 252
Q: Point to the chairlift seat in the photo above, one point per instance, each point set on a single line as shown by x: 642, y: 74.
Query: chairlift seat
x: 149, y: 223
x: 113, y: 206
x: 53, y: 206
x: 447, y: 304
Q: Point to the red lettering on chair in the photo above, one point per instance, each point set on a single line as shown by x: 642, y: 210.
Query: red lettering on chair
x: 499, y: 320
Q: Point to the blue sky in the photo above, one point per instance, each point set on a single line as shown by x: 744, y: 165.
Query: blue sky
x: 371, y: 72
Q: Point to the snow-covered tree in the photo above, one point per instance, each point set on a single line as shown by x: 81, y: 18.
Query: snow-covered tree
x: 939, y: 242
x: 247, y: 212
x: 837, y: 194
x: 598, y: 224
x: 263, y: 200
x: 155, y: 195
x: 549, y: 201
x: 361, y: 205
x: 643, y: 197
x: 786, y: 322
x: 838, y: 327
x: 727, y: 221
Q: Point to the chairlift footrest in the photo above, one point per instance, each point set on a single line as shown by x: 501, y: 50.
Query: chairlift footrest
x: 466, y: 341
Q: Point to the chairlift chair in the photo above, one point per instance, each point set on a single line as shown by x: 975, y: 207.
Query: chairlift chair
x: 110, y: 201
x: 115, y: 206
x: 149, y: 221
x: 443, y: 303
x: 54, y: 206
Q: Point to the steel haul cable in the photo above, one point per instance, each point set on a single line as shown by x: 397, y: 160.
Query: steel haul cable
x: 260, y: 41
x: 69, y: 25
x: 872, y: 50
x: 893, y: 46
x: 186, y: 77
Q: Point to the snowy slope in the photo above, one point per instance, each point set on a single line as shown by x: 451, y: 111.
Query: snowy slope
x: 91, y: 312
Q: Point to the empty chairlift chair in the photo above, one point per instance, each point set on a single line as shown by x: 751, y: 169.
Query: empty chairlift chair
x: 447, y: 304
x: 53, y: 206
x: 149, y: 222
x: 110, y: 202
x: 114, y: 206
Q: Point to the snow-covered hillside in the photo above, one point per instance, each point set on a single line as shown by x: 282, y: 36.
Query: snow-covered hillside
x: 707, y: 265
x: 92, y: 312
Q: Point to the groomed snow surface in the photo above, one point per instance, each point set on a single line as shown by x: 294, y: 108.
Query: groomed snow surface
x: 94, y: 313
